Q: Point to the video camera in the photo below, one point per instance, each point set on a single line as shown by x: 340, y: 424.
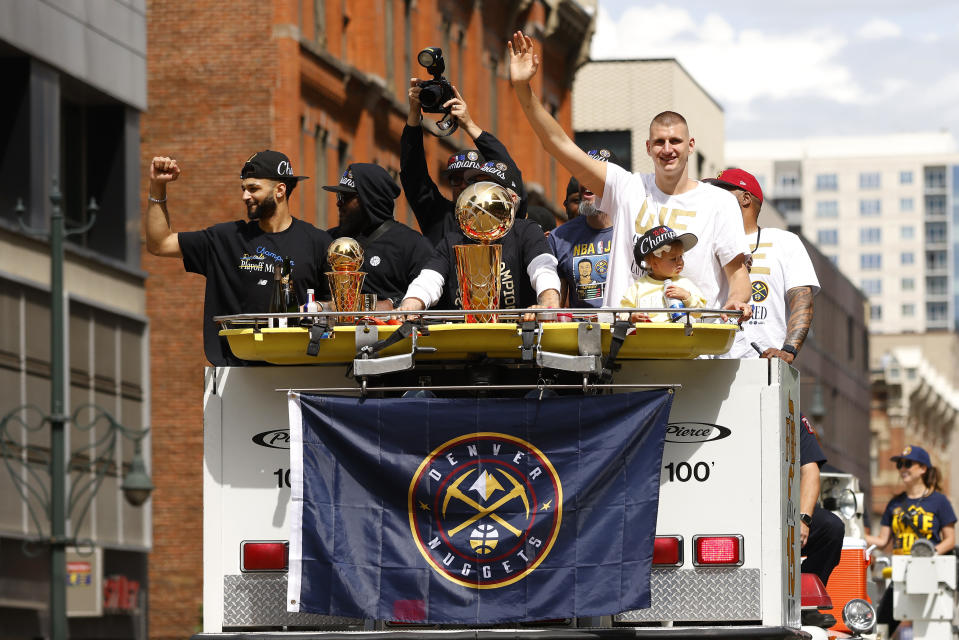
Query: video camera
x: 434, y: 93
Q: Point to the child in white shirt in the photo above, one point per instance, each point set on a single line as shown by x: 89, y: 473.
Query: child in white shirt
x: 660, y: 252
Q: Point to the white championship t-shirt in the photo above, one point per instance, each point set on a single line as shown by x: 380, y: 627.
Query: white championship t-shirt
x: 636, y: 205
x: 780, y: 263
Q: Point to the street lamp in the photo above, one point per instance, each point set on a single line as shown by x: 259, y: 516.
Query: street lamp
x: 90, y: 464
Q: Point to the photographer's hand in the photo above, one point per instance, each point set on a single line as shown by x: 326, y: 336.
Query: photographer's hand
x: 458, y: 110
x: 523, y: 63
x: 414, y: 117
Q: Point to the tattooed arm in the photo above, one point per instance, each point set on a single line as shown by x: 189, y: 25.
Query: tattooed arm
x: 799, y: 301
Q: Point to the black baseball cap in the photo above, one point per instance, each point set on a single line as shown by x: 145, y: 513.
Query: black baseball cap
x: 463, y: 160
x: 603, y: 155
x: 346, y: 185
x: 498, y: 172
x: 662, y: 235
x: 271, y: 165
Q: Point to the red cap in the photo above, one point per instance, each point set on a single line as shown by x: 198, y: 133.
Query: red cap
x: 737, y: 179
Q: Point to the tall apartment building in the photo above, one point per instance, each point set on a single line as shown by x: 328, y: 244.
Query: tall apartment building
x: 74, y: 89
x: 614, y: 101
x: 882, y: 208
x: 325, y: 82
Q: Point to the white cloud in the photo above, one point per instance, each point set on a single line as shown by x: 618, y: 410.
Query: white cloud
x: 878, y: 28
x: 736, y: 67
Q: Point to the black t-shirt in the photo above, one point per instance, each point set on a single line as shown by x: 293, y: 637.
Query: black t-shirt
x: 809, y: 449
x: 393, y: 259
x: 237, y: 259
x: 524, y: 242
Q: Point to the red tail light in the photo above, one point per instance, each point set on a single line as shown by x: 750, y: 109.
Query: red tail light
x: 264, y: 555
x: 718, y: 550
x: 668, y: 551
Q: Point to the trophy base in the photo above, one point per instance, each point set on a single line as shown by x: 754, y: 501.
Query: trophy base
x: 478, y: 276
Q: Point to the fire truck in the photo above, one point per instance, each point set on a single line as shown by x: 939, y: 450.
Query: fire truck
x: 726, y: 557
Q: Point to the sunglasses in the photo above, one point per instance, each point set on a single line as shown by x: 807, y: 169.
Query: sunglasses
x: 903, y: 464
x: 343, y: 198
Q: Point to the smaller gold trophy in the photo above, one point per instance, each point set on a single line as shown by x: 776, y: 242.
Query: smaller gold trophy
x: 485, y: 212
x: 345, y: 256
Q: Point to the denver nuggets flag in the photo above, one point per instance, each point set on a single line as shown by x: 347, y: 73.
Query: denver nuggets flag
x: 474, y: 510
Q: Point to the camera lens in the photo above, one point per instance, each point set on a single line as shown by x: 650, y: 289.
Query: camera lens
x: 430, y: 97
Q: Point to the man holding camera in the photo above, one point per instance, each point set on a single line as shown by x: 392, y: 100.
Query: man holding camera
x: 433, y: 211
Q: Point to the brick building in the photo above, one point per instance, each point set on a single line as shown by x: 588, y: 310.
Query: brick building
x: 325, y: 82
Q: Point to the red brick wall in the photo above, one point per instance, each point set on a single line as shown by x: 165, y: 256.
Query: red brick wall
x: 226, y: 79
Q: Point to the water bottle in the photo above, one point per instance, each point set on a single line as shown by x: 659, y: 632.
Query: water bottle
x: 673, y: 303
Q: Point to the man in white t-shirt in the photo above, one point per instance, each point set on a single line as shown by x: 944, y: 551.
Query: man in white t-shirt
x: 783, y: 279
x: 639, y: 202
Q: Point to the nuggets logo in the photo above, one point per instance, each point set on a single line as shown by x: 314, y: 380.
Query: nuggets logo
x: 485, y: 509
x: 760, y: 291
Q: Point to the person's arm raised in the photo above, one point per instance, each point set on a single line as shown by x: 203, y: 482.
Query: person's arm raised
x: 523, y: 64
x: 160, y: 239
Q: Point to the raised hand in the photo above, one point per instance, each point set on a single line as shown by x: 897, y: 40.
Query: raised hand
x: 164, y: 170
x: 459, y: 110
x: 523, y: 63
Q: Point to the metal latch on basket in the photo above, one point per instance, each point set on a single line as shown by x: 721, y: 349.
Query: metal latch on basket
x: 589, y: 341
x: 368, y: 345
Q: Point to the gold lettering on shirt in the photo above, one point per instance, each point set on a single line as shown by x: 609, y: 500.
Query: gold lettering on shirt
x: 646, y: 220
x: 764, y: 270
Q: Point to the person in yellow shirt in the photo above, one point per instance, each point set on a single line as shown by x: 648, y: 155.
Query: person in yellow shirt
x: 660, y: 252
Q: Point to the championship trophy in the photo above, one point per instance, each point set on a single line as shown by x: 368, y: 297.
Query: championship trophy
x: 485, y: 212
x: 345, y: 256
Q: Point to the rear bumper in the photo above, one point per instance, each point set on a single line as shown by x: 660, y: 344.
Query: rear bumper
x: 616, y: 633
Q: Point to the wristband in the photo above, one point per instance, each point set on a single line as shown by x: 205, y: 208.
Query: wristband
x: 806, y: 519
x: 788, y: 348
x: 152, y: 199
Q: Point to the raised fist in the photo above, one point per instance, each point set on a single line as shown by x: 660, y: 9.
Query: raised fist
x: 164, y: 169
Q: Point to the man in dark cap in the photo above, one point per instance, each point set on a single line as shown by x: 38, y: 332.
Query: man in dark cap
x: 528, y: 268
x: 433, y: 211
x: 393, y: 253
x: 238, y: 258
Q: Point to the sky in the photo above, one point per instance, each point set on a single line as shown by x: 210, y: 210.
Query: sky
x: 799, y: 69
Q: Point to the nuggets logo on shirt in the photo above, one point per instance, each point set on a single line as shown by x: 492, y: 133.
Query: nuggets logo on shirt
x: 760, y: 291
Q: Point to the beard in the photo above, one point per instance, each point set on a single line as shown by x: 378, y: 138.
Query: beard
x: 263, y: 210
x: 588, y: 209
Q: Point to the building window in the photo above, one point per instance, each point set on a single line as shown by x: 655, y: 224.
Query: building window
x: 872, y: 286
x: 906, y: 204
x: 826, y: 182
x: 789, y: 182
x: 827, y: 209
x: 907, y: 257
x: 869, y: 180
x: 907, y: 232
x: 935, y: 232
x: 936, y: 311
x: 875, y: 312
x: 870, y: 261
x: 870, y: 207
x: 319, y: 22
x: 937, y: 285
x: 870, y: 235
x: 908, y: 284
x: 935, y: 260
x: 935, y: 206
x: 908, y: 310
x: 935, y: 178
x: 828, y: 236
x: 905, y: 177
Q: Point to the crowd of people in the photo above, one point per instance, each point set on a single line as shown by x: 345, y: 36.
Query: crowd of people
x: 631, y: 240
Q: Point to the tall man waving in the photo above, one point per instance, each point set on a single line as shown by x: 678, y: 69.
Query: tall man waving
x: 639, y: 202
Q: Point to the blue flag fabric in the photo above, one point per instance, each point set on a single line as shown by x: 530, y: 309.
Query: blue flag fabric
x: 474, y: 511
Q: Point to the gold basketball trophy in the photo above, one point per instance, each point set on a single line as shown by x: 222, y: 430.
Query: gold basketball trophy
x: 345, y: 256
x: 485, y: 212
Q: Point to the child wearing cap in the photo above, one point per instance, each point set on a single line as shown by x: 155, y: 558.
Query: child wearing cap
x: 660, y: 252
